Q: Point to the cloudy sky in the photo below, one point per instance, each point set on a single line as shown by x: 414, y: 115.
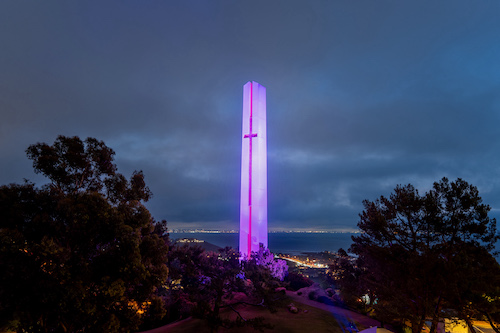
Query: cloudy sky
x: 361, y: 96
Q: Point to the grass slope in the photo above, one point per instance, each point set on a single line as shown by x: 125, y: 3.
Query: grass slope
x: 311, y: 320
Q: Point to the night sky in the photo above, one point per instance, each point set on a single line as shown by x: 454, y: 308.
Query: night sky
x: 361, y: 96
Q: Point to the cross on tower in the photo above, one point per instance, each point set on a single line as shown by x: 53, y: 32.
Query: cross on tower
x: 250, y: 136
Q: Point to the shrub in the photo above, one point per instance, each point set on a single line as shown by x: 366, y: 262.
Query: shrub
x: 297, y: 281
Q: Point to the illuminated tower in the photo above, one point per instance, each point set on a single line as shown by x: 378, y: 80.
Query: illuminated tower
x: 253, y: 199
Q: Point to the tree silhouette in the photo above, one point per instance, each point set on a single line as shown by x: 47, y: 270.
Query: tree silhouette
x: 418, y: 254
x: 81, y: 253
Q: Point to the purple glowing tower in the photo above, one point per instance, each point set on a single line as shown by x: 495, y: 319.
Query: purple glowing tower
x: 253, y: 199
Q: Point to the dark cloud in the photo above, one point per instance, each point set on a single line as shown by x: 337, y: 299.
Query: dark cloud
x: 362, y: 96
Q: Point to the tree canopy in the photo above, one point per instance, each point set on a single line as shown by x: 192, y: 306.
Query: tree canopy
x: 81, y: 253
x: 426, y: 256
x: 205, y: 283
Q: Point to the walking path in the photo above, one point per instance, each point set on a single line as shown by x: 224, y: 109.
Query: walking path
x: 344, y: 317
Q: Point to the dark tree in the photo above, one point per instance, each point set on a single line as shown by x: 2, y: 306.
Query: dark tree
x: 297, y: 281
x: 72, y: 164
x: 345, y: 274
x: 473, y: 284
x: 207, y: 283
x: 81, y: 253
x: 412, y: 248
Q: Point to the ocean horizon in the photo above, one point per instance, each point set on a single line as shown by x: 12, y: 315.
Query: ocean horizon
x: 286, y: 242
x: 280, y: 242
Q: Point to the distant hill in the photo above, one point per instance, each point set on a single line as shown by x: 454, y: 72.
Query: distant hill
x: 198, y: 242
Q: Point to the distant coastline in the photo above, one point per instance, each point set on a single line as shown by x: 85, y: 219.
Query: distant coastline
x: 290, y: 242
x: 232, y: 231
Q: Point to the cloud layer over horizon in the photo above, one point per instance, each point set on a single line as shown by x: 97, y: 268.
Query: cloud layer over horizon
x: 361, y: 96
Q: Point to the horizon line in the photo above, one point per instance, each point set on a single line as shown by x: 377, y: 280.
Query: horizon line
x: 230, y: 231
